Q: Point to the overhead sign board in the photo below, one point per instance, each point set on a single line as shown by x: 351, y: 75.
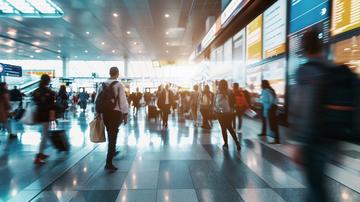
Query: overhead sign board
x: 10, y: 70
x: 231, y: 10
x: 345, y: 16
x: 254, y: 41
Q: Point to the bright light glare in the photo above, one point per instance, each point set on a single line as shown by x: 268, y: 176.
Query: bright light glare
x: 167, y: 15
x: 115, y: 15
x: 30, y: 8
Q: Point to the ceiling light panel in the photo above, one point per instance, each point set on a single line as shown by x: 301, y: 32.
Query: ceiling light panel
x: 30, y: 8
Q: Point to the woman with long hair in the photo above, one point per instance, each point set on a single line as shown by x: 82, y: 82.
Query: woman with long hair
x: 205, y: 106
x: 269, y: 102
x: 5, y: 109
x: 224, y: 103
x: 44, y: 99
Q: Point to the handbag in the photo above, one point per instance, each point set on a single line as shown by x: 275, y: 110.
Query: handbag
x: 29, y: 115
x: 97, y: 130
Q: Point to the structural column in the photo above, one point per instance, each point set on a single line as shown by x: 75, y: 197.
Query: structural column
x: 126, y: 66
x: 65, y: 66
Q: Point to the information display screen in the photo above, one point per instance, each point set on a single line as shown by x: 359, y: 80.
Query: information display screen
x: 254, y: 41
x: 253, y: 79
x: 275, y: 73
x: 239, y: 58
x: 345, y: 16
x: 10, y: 70
x: 305, y: 13
x: 275, y: 29
x: 348, y: 52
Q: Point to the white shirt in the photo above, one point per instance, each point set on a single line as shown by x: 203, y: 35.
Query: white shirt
x: 119, y: 90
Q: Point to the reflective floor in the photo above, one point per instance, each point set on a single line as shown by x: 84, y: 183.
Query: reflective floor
x: 181, y: 164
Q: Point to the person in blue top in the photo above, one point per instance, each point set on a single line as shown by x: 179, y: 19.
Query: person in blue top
x: 269, y: 103
x: 83, y: 98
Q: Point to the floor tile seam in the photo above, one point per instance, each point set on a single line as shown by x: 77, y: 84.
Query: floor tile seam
x: 62, y: 173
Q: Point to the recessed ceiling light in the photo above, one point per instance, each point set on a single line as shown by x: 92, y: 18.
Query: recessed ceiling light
x: 48, y: 33
x: 167, y: 15
x: 11, y: 32
x: 135, y: 43
x: 128, y: 32
x: 113, y: 51
x: 167, y: 51
x: 167, y: 43
x: 31, y: 56
x: 36, y: 43
x: 9, y: 50
x: 88, y: 33
x: 75, y: 56
x: 115, y: 15
x: 86, y: 51
x: 102, y: 43
x: 58, y: 57
x: 38, y: 51
x: 59, y: 51
x: 167, y: 33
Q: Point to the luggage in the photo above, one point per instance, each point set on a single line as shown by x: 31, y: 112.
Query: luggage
x: 28, y: 117
x: 153, y: 112
x: 106, y: 100
x: 58, y: 138
x: 97, y: 130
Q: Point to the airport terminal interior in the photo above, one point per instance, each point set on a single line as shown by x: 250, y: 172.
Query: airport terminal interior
x: 203, y: 107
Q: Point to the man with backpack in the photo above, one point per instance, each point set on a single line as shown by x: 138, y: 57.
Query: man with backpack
x: 112, y: 103
x: 241, y: 105
x: 322, y: 108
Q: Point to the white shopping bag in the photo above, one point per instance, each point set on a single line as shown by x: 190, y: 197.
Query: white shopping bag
x: 251, y: 113
x: 29, y: 115
x: 97, y: 130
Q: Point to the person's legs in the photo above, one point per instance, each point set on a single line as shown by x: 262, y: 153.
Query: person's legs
x: 7, y: 126
x: 166, y: 115
x: 222, y: 123
x: 264, y: 125
x: 112, y: 122
x: 194, y: 115
x: 273, y: 124
x: 239, y: 117
x: 205, y: 115
x: 39, y: 158
x: 228, y: 125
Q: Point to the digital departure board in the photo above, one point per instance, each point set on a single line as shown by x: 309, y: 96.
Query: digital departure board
x: 275, y: 29
x: 345, y: 16
x: 254, y: 41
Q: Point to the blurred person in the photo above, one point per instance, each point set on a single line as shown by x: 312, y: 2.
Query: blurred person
x: 83, y: 98
x: 269, y: 119
x: 136, y: 98
x: 112, y: 103
x: 62, y: 99
x: 241, y: 105
x: 93, y: 96
x: 165, y: 101
x: 194, y: 104
x: 224, y: 102
x: 205, y: 106
x: 44, y: 99
x: 147, y: 98
x: 321, y: 109
x: 5, y: 109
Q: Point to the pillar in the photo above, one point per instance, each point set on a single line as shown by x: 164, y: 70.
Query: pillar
x: 65, y: 66
x: 126, y: 66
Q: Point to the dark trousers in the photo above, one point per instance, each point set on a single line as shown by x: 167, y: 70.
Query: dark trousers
x: 272, y: 119
x: 165, y: 111
x: 205, y: 113
x: 112, y: 121
x: 225, y: 121
x: 238, y: 115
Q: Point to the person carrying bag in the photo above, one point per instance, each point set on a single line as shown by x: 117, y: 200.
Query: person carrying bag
x: 97, y: 130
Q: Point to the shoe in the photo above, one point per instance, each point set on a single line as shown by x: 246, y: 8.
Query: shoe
x: 110, y: 167
x: 39, y: 161
x: 238, y: 147
x: 42, y: 156
x: 12, y: 136
x: 225, y: 147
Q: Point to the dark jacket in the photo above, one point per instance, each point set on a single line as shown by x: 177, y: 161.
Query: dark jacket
x: 44, y: 99
x: 162, y: 97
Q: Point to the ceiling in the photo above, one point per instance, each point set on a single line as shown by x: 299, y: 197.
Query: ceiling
x: 110, y: 30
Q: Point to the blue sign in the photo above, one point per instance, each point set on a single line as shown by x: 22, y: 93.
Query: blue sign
x: 305, y: 13
x: 10, y: 70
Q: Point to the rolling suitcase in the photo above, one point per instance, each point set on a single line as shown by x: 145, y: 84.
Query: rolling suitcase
x: 58, y: 138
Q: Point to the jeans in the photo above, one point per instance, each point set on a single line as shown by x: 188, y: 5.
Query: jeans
x: 44, y: 137
x: 238, y: 115
x: 165, y: 111
x: 112, y: 121
x: 225, y: 121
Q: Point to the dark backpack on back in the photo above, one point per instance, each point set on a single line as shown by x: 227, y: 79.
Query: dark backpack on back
x: 106, y: 101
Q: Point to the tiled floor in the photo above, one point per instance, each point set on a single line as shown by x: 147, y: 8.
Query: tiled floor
x: 181, y: 164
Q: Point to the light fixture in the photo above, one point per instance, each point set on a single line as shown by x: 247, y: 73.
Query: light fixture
x: 58, y: 57
x: 115, y: 15
x: 167, y: 51
x: 59, y: 51
x: 167, y: 33
x: 88, y: 33
x: 48, y: 33
x: 75, y: 56
x: 140, y: 51
x: 128, y: 32
x: 86, y: 51
x: 135, y: 43
x: 36, y: 43
x: 102, y: 43
x: 113, y: 51
x: 11, y: 32
x: 38, y: 51
x: 167, y: 43
x: 31, y: 56
x: 9, y: 50
x: 167, y: 15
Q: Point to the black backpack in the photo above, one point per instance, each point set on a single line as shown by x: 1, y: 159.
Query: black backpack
x: 106, y: 100
x: 339, y: 103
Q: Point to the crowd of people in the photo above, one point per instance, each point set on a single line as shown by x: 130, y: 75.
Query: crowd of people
x: 322, y: 109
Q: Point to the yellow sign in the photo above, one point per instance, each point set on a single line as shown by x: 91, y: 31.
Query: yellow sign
x: 254, y: 41
x: 345, y: 16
